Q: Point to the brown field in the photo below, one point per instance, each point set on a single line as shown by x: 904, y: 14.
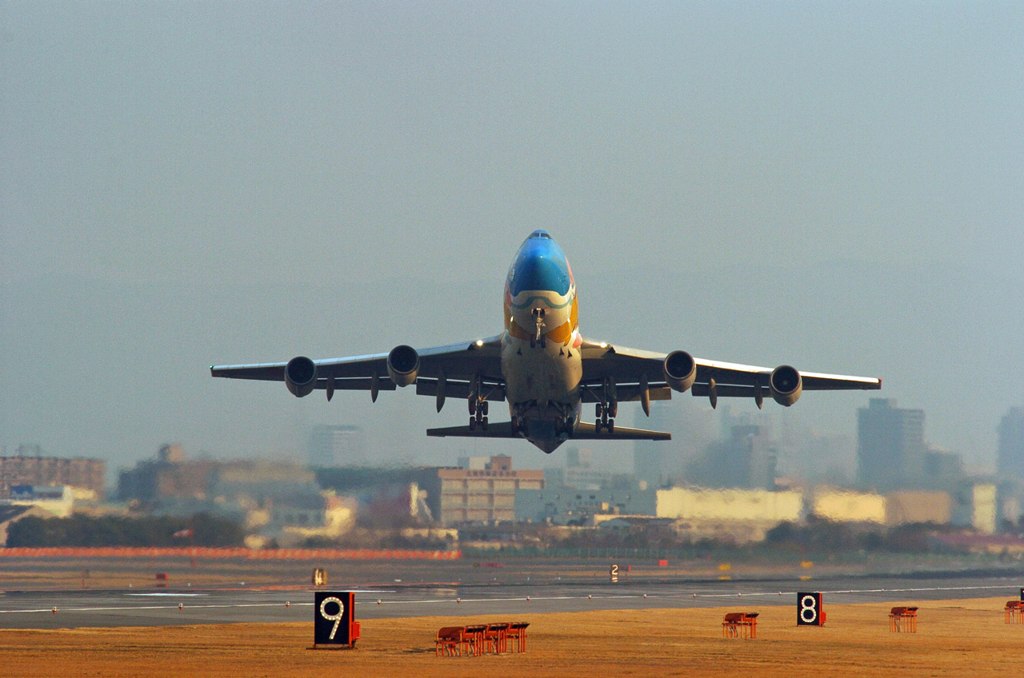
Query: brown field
x: 958, y: 637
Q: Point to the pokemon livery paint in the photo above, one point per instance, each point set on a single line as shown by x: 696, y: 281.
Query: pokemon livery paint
x: 540, y: 348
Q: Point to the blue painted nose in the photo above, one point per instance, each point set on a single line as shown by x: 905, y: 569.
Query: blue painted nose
x: 539, y: 265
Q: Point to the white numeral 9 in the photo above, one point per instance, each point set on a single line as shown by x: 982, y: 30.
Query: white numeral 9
x: 336, y: 618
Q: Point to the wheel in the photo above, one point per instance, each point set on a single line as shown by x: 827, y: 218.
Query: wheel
x: 611, y: 426
x: 484, y: 408
x: 599, y: 409
x: 613, y: 409
x: 472, y: 406
x: 514, y: 424
x: 533, y: 343
x: 472, y: 423
x: 483, y: 423
x: 597, y: 426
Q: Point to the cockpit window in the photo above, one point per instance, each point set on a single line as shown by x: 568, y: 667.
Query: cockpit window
x: 540, y: 234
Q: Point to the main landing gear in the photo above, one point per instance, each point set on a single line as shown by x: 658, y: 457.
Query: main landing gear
x: 477, y: 413
x: 607, y: 409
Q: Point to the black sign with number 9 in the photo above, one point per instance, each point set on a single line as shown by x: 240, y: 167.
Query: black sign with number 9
x: 332, y: 617
x: 808, y: 609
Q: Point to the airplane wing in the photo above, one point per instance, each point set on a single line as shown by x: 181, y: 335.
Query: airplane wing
x: 584, y: 431
x: 628, y: 368
x: 458, y: 365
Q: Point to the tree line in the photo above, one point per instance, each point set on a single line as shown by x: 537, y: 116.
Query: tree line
x: 79, y: 530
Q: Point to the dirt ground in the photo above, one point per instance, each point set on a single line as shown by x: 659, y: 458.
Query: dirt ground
x: 959, y: 637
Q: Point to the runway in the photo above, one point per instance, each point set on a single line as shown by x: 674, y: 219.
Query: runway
x: 238, y: 603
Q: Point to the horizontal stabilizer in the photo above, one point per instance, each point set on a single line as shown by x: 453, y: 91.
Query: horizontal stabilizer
x: 584, y: 431
x: 502, y: 429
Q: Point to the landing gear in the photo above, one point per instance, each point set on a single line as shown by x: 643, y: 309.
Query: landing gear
x: 607, y: 409
x: 477, y: 407
x: 478, y: 413
x: 538, y: 337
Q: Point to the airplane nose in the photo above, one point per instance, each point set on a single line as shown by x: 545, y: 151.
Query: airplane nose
x: 541, y: 269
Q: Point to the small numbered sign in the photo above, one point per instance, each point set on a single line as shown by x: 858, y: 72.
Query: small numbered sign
x: 613, y: 572
x: 808, y: 609
x: 333, y: 614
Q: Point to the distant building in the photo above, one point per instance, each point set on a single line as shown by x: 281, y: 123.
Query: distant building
x: 55, y: 500
x: 656, y: 461
x: 747, y: 459
x: 906, y: 507
x: 890, y: 445
x: 1010, y: 464
x: 942, y: 470
x: 846, y: 506
x: 484, y: 495
x: 333, y: 445
x: 171, y: 479
x: 975, y: 506
x: 566, y: 506
x: 733, y: 514
x: 86, y: 474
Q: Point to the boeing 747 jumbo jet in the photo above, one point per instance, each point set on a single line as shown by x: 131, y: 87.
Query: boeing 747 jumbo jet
x: 543, y: 368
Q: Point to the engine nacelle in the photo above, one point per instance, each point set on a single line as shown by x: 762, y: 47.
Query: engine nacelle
x: 300, y: 376
x: 786, y: 385
x: 403, y: 365
x: 680, y: 370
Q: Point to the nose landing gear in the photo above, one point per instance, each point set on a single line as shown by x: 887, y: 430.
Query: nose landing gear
x: 538, y: 338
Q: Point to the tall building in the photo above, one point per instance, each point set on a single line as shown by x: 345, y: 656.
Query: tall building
x: 1010, y: 464
x: 747, y: 459
x: 661, y: 462
x: 890, y: 445
x: 331, y: 445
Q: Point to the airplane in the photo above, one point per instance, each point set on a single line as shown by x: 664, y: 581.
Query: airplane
x: 543, y: 368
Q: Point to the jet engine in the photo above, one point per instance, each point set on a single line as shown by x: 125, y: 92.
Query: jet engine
x: 300, y: 376
x: 680, y: 370
x: 786, y: 385
x: 403, y: 365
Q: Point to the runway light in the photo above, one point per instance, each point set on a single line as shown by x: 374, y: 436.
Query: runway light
x: 55, y: 610
x: 738, y: 595
x: 645, y: 596
x: 181, y: 606
x: 287, y: 603
x: 527, y: 598
x: 695, y: 596
x: 378, y: 601
x: 590, y: 597
x: 458, y: 601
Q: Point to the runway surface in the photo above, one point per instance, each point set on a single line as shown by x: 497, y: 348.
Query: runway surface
x: 507, y: 594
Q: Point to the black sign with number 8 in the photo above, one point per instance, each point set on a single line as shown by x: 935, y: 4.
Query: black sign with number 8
x: 808, y: 609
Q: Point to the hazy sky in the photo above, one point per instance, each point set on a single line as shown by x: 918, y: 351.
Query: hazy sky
x: 193, y: 183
